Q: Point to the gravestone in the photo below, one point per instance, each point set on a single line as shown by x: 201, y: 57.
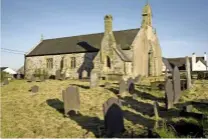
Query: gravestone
x: 188, y: 73
x: 122, y: 87
x: 18, y: 76
x: 42, y: 79
x: 188, y: 108
x: 176, y: 84
x: 84, y: 74
x: 6, y: 81
x: 134, y: 96
x: 37, y: 79
x: 71, y: 100
x: 113, y: 116
x: 130, y: 84
x: 169, y: 94
x: 63, y: 76
x: 94, y: 80
x: 58, y: 74
x: 34, y: 89
x: 31, y: 78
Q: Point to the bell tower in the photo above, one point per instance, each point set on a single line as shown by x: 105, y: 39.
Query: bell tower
x: 147, y: 15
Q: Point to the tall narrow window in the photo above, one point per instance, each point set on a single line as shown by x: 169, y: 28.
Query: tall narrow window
x: 49, y: 63
x: 73, y: 62
x: 108, y: 62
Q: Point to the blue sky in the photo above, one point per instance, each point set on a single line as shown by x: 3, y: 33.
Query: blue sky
x: 182, y: 25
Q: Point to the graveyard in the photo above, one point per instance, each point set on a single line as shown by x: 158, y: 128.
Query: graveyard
x: 40, y: 112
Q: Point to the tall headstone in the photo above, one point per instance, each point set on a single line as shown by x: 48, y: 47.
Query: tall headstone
x: 113, y: 116
x: 34, y: 89
x: 130, y: 84
x: 123, y: 87
x: 137, y: 79
x: 71, y: 100
x: 176, y: 84
x: 169, y: 94
x: 58, y: 74
x: 94, y: 80
x: 42, y: 78
x: 188, y: 73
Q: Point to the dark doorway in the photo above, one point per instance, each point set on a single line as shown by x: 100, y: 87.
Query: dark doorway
x: 108, y: 62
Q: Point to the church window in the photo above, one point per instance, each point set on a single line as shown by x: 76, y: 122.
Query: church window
x: 108, y: 62
x: 73, y: 62
x: 49, y: 63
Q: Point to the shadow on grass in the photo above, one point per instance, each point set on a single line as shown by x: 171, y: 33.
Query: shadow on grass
x: 82, y: 86
x: 142, y: 107
x: 138, y: 119
x: 91, y: 124
x: 145, y: 95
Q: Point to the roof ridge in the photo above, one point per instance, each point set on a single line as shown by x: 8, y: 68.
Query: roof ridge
x: 90, y: 34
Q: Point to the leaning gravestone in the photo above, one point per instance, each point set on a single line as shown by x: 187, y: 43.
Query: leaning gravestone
x: 176, y: 84
x: 122, y: 87
x: 58, y: 74
x: 130, y: 84
x: 169, y: 94
x: 6, y: 81
x: 71, y: 100
x: 34, y: 89
x: 94, y: 80
x: 113, y: 116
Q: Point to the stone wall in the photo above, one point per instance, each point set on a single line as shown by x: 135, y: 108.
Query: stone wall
x: 84, y: 64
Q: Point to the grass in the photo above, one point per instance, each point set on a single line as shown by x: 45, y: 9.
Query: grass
x: 30, y: 116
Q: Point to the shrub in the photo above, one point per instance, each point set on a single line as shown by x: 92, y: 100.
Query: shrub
x: 37, y: 73
x: 45, y: 73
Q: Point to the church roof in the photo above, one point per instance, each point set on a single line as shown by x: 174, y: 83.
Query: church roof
x: 82, y: 43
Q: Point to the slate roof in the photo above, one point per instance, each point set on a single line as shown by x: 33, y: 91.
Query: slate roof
x: 3, y: 68
x: 82, y: 43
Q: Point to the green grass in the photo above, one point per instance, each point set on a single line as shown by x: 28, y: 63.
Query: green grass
x: 29, y: 116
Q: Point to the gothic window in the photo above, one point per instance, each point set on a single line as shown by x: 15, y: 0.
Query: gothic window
x: 108, y: 62
x: 73, y: 62
x: 49, y: 63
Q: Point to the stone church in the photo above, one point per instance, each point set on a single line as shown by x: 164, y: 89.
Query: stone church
x: 111, y: 54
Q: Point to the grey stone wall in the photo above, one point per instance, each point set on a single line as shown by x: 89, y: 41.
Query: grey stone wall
x: 84, y: 64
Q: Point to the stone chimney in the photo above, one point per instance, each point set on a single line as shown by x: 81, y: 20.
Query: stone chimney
x: 108, y: 23
x: 205, y: 56
x: 193, y: 61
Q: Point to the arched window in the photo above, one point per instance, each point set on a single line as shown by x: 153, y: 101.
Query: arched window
x: 108, y: 62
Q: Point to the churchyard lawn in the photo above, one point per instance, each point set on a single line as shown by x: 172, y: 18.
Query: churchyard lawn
x: 36, y: 115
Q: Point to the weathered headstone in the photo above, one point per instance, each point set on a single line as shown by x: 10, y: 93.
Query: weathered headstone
x: 156, y: 109
x: 188, y: 73
x: 94, y: 80
x: 134, y: 96
x: 122, y: 87
x: 42, y: 79
x: 84, y: 74
x: 113, y: 116
x: 34, y: 89
x: 71, y: 100
x: 37, y: 79
x: 176, y: 84
x: 6, y: 81
x: 58, y: 74
x: 188, y: 108
x: 169, y: 94
x: 130, y: 84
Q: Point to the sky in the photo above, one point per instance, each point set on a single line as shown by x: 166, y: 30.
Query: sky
x: 182, y: 25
